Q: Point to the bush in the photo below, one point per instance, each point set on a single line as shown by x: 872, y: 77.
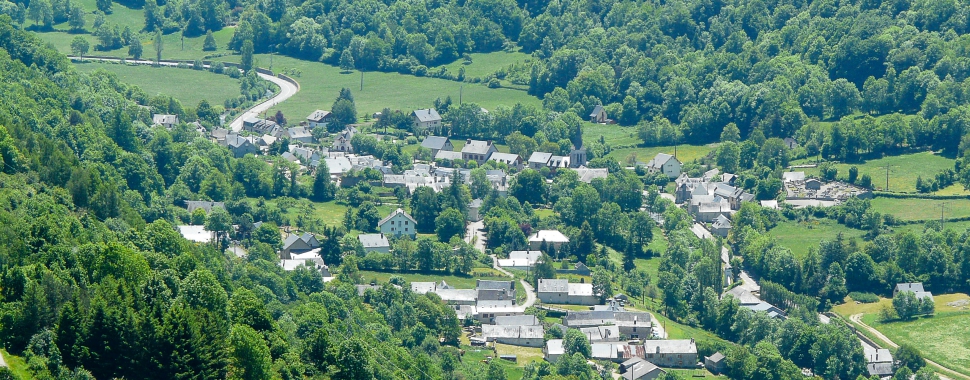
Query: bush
x: 864, y: 297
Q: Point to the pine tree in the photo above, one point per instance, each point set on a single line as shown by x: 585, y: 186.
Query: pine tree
x: 323, y: 188
x: 210, y: 42
x: 346, y: 61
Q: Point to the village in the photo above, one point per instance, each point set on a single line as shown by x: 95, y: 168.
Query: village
x: 491, y: 312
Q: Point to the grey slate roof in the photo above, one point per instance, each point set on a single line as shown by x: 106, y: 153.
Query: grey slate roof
x: 434, y: 142
x: 476, y: 147
x: 552, y: 285
x: 317, y: 116
x: 722, y: 222
x: 658, y: 161
x: 427, y: 115
x: 517, y: 320
x: 540, y: 158
x: 716, y: 358
x: 373, y: 240
x: 396, y: 212
x: 596, y: 111
x: 447, y: 155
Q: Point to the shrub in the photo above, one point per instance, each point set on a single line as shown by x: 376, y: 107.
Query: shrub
x: 864, y: 297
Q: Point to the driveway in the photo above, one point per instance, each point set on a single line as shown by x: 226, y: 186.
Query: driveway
x: 476, y: 232
x: 287, y: 89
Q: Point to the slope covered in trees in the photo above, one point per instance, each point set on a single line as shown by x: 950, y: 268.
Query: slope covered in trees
x: 97, y: 281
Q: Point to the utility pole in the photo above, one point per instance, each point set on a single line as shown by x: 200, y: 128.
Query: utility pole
x: 942, y: 207
x: 461, y: 90
x: 362, y: 81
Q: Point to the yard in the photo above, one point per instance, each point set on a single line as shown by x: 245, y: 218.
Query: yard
x: 474, y: 362
x: 320, y: 83
x: 922, y: 209
x: 486, y: 63
x: 942, y: 338
x: 800, y: 236
x: 186, y: 85
x: 903, y: 171
x: 685, y: 153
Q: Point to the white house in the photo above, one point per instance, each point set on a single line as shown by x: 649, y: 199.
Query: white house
x: 520, y: 260
x: 398, y: 223
x: 562, y: 292
x: 664, y: 163
x: 477, y: 150
x: 553, y: 350
x: 374, y: 243
x: 341, y: 143
x: 167, y: 121
x: 319, y: 118
x: 426, y: 119
x: 196, y: 234
x: 915, y: 287
x: 553, y: 238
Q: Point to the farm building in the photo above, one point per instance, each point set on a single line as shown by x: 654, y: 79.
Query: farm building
x: 527, y: 336
x: 553, y: 350
x: 562, y: 292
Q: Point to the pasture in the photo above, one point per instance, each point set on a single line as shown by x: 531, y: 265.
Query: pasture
x: 321, y: 83
x: 186, y: 85
x: 685, y: 153
x: 800, y: 236
x: 903, y: 171
x: 922, y: 209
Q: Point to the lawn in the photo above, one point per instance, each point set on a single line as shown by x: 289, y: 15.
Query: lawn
x: 486, y: 63
x: 903, y: 170
x: 942, y: 338
x: 460, y: 282
x: 800, y: 236
x: 922, y: 209
x: 473, y: 362
x: 685, y: 153
x: 330, y: 213
x: 524, y: 355
x: 320, y: 83
x: 17, y: 364
x: 918, y: 228
x: 186, y: 85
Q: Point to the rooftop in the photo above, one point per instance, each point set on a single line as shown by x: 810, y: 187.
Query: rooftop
x: 373, y: 240
x: 426, y: 115
x: 550, y: 236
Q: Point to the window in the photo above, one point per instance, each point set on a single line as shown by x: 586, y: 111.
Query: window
x: 405, y: 222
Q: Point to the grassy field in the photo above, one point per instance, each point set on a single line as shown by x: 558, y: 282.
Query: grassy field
x: 17, y: 365
x: 902, y: 172
x: 320, y: 83
x: 486, y: 63
x: 473, y: 361
x: 685, y: 153
x: 922, y: 209
x: 188, y: 86
x: 613, y: 134
x: 942, y: 338
x: 918, y: 228
x: 800, y: 236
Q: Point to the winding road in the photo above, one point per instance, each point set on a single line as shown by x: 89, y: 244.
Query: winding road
x: 287, y: 89
x: 857, y: 319
x: 476, y: 234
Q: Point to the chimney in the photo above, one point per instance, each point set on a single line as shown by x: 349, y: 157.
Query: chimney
x: 468, y: 141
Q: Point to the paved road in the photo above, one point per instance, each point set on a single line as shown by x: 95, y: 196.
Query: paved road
x: 287, y: 89
x: 857, y: 318
x: 476, y: 232
x: 530, y: 294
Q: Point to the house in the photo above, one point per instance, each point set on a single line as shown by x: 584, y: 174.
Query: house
x: 290, y: 157
x: 301, y: 134
x: 767, y: 308
x: 558, y: 162
x: 879, y: 362
x: 562, y: 292
x: 915, y: 287
x: 337, y: 166
x: 398, y: 223
x: 630, y: 324
x: 447, y: 155
x: 512, y: 160
x: 553, y: 350
x: 437, y: 144
x: 219, y: 135
x: 310, y: 258
x: 473, y: 207
x: 467, y: 297
x: 708, y: 212
x: 341, y: 143
x: 639, y: 369
x: 204, y: 205
x: 477, y: 150
x: 813, y: 184
x: 262, y: 127
x: 772, y: 204
x: 552, y: 238
x: 792, y: 176
x: 666, y: 164
x: 517, y: 320
x: 426, y: 119
x: 526, y: 336
x: 422, y: 287
x: 520, y: 260
x: 507, y: 287
x: 744, y: 297
x: 715, y: 363
x: 539, y: 160
x: 674, y: 353
x: 167, y: 121
x: 319, y: 118
x: 721, y: 226
x: 588, y: 174
x: 374, y: 243
x: 598, y: 115
x: 240, y: 146
x: 790, y: 143
x: 578, y: 268
x: 197, y: 234
x: 294, y: 244
x: 601, y: 333
x: 308, y: 156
